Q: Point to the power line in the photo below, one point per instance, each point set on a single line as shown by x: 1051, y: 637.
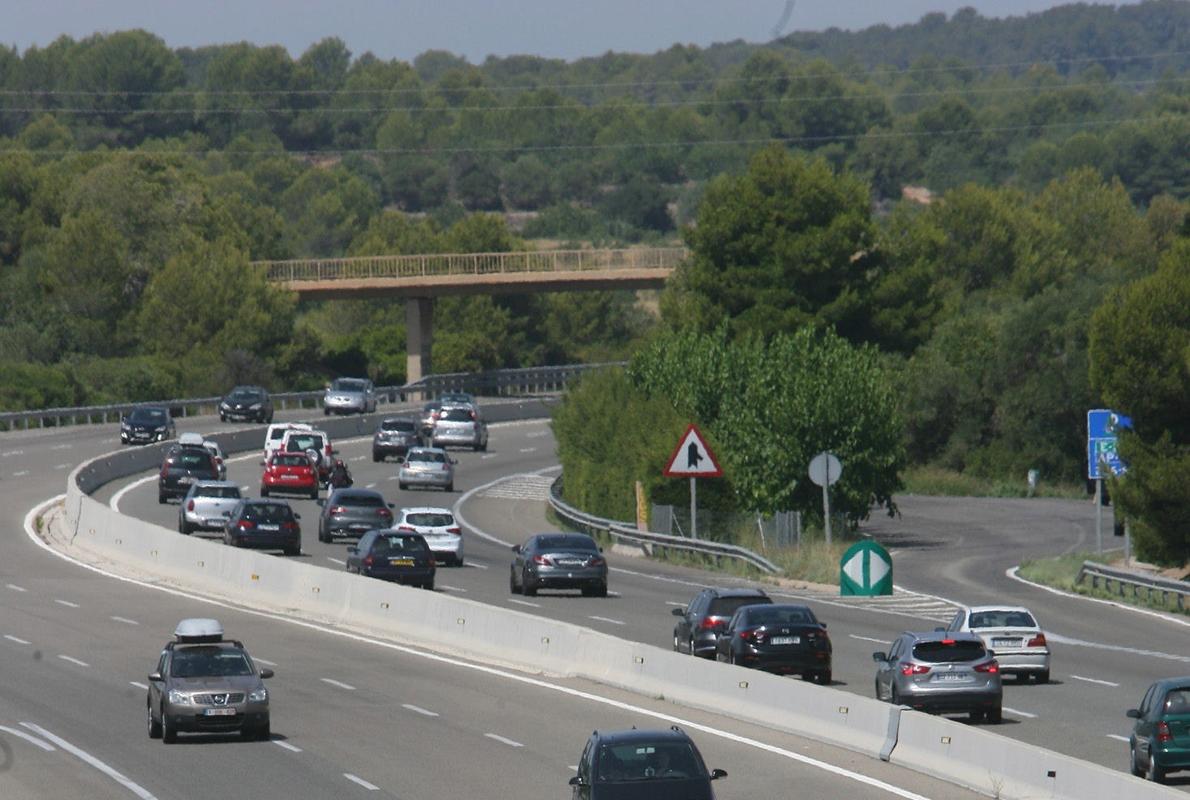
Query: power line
x: 961, y: 92
x: 711, y: 81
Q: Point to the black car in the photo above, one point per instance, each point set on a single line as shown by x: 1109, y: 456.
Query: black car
x: 393, y: 556
x: 147, y: 424
x: 353, y: 512
x: 697, y: 632
x: 247, y: 404
x: 558, y: 561
x: 643, y: 765
x: 264, y: 523
x: 183, y: 466
x: 393, y: 437
x: 780, y: 638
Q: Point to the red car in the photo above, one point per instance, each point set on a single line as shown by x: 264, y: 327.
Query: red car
x: 290, y: 473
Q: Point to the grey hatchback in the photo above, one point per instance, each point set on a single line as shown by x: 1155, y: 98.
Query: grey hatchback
x: 642, y: 765
x: 947, y: 672
x: 353, y: 512
x: 558, y: 561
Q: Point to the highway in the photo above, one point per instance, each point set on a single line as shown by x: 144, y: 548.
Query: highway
x: 352, y: 716
x: 946, y: 550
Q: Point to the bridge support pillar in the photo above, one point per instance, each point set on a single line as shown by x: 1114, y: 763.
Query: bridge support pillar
x: 419, y: 336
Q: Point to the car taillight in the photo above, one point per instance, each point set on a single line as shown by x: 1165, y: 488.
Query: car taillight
x: 289, y: 526
x: 991, y: 668
x: 473, y: 415
x: 914, y: 669
x: 407, y: 528
x: 595, y: 561
x: 753, y: 635
x: 384, y: 512
x: 544, y: 560
x: 1037, y: 641
x: 457, y: 531
x: 328, y: 450
x: 338, y: 510
x: 190, y: 506
x: 445, y: 466
x: 1163, y: 734
x: 710, y: 624
x: 367, y: 561
x: 246, y: 525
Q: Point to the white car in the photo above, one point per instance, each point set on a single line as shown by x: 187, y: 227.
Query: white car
x: 1012, y: 634
x: 438, y: 527
x: 217, y: 453
x: 276, y: 432
x: 316, y: 444
x: 206, y: 506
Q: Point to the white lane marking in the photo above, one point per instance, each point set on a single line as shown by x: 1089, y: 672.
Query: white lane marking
x: 1012, y: 573
x: 1094, y: 680
x: 66, y: 603
x: 15, y: 639
x: 868, y: 639
x: 524, y: 680
x: 393, y: 477
x: 1017, y: 713
x: 370, y: 486
x: 264, y: 661
x: 15, y: 588
x: 245, y: 487
x: 467, y: 495
x: 114, y: 503
x: 425, y: 712
x: 503, y: 740
x: 338, y: 561
x: 287, y: 746
x: 8, y: 453
x: 125, y: 620
x: 537, y: 435
x: 73, y: 660
x: 139, y: 685
x: 1060, y: 639
x: 340, y: 684
x: 358, y: 458
x: 572, y: 767
x: 1119, y: 738
x: 487, y: 456
x: 476, y: 564
x: 46, y: 746
x: 524, y: 603
x: 528, y: 449
x: 62, y: 447
x: 20, y: 474
x: 371, y: 787
x: 83, y: 755
x: 452, y: 588
x: 606, y: 619
x: 676, y: 603
x: 62, y: 466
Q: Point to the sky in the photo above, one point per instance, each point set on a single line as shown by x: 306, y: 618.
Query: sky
x: 471, y: 28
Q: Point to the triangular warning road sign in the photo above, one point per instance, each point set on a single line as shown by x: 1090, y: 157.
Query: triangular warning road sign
x: 692, y: 458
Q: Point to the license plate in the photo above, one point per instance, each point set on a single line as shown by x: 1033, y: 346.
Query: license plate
x: 270, y: 527
x: 360, y: 527
x: 950, y: 676
x: 401, y: 562
x: 219, y: 712
x: 786, y: 640
x: 1006, y: 642
x: 289, y: 477
x: 569, y: 563
x: 216, y: 520
x: 185, y: 479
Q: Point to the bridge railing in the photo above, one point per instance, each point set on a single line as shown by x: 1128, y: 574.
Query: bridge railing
x: 451, y: 264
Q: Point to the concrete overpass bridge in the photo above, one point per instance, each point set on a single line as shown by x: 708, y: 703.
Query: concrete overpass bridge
x: 420, y: 278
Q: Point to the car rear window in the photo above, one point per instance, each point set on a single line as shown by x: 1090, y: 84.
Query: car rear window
x: 201, y: 662
x: 358, y: 500
x: 433, y: 458
x: 402, y: 425
x: 1177, y: 701
x: 191, y: 459
x: 776, y: 615
x: 726, y: 606
x: 948, y: 650
x: 229, y: 492
x: 291, y: 460
x: 566, y: 543
x: 427, y: 520
x: 268, y: 512
x: 385, y: 545
x: 1002, y: 619
x: 456, y: 415
x: 302, y: 442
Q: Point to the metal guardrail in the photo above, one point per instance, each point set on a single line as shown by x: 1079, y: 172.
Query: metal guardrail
x: 446, y: 264
x: 623, y: 532
x: 1137, y: 580
x: 501, y: 382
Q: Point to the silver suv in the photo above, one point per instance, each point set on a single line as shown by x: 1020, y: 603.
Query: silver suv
x: 947, y: 672
x: 349, y: 396
x: 461, y: 426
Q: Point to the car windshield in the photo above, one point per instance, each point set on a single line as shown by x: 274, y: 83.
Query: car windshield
x: 1178, y: 701
x: 456, y: 397
x: 388, y: 545
x: 218, y: 491
x: 566, y: 543
x: 726, y: 606
x: 640, y: 761
x: 300, y: 443
x: 429, y: 520
x: 349, y: 385
x: 148, y: 416
x: 427, y: 456
x: 779, y: 615
x: 948, y: 650
x: 203, y: 662
x: 291, y: 460
x: 267, y: 513
x: 245, y: 395
x: 190, y: 459
x: 402, y: 425
x: 358, y: 500
x: 1002, y: 619
x: 457, y: 415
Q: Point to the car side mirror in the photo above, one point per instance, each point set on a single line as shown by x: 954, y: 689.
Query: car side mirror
x: 352, y: 550
x: 266, y: 673
x: 1132, y: 713
x: 391, y: 505
x: 880, y: 657
x: 320, y: 501
x: 823, y: 624
x: 264, y: 463
x: 679, y: 612
x: 716, y: 774
x: 516, y: 548
x: 297, y: 516
x: 454, y: 461
x: 155, y: 677
x: 576, y: 781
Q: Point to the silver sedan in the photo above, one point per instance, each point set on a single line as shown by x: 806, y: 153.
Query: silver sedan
x: 427, y: 466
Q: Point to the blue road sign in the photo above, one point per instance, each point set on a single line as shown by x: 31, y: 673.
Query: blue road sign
x: 1103, y: 426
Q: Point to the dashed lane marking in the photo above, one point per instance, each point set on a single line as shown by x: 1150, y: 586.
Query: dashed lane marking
x: 503, y: 740
x: 20, y: 474
x: 607, y: 619
x: 1094, y: 680
x: 16, y: 639
x: 125, y: 620
x: 46, y: 746
x: 62, y: 466
x: 66, y: 603
x: 139, y: 685
x: 264, y: 661
x: 1018, y: 713
x: 15, y: 588
x: 1119, y: 738
x: 339, y: 684
x: 286, y: 746
x: 338, y: 561
x: 452, y: 588
x: 371, y: 787
x: 525, y: 603
x: 868, y: 639
x: 425, y: 712
x: 73, y: 660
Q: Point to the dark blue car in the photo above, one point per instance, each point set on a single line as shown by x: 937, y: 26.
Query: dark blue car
x: 643, y: 765
x: 393, y: 555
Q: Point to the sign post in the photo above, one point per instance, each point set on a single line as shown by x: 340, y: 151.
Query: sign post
x: 825, y: 469
x: 1103, y: 427
x: 692, y: 459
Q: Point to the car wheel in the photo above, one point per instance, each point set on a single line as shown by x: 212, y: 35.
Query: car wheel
x: 265, y: 731
x: 994, y: 715
x: 512, y: 587
x: 1042, y: 677
x: 1133, y: 767
x: 528, y: 588
x: 325, y: 538
x: 376, y: 457
x: 977, y: 715
x: 691, y: 646
x: 293, y: 549
x: 450, y: 487
x: 162, y: 499
x: 428, y: 585
x: 676, y: 650
x: 183, y: 528
x: 484, y: 446
x: 264, y: 491
x: 223, y: 418
x: 823, y: 677
x: 894, y: 697
x: 1155, y: 773
x: 314, y: 493
x: 876, y: 687
x: 155, y: 726
x: 404, y: 486
x: 168, y: 734
x: 326, y: 412
x: 458, y: 561
x: 601, y: 590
